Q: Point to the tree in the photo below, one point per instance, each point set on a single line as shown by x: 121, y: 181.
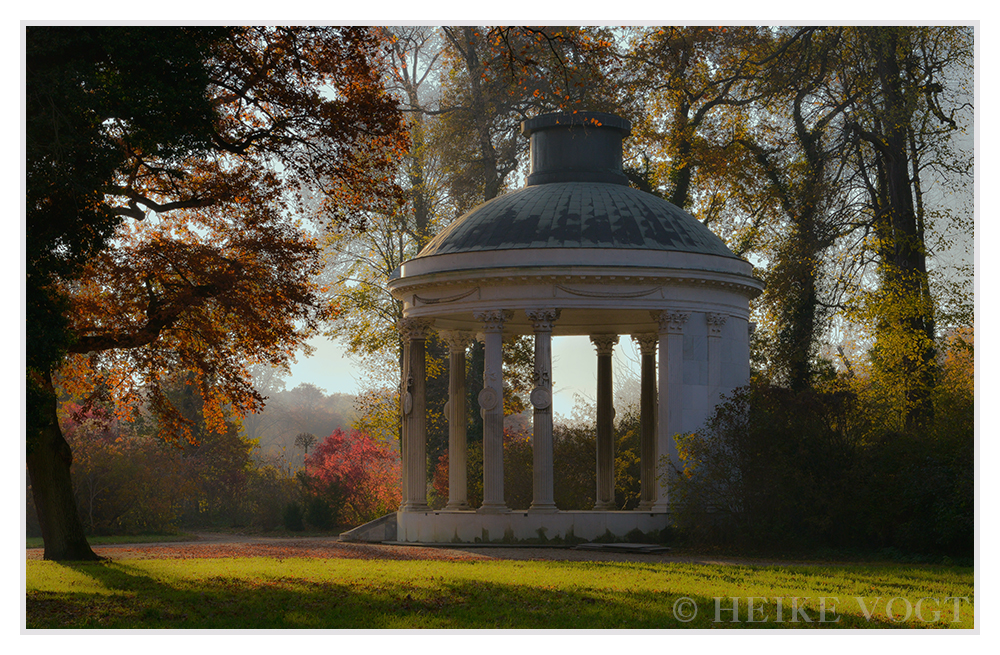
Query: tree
x: 305, y: 441
x: 306, y: 409
x: 802, y: 162
x: 82, y: 85
x: 900, y: 127
x: 690, y: 85
x: 793, y: 173
x: 359, y: 264
x: 442, y: 175
x: 500, y: 76
x: 194, y: 260
x: 357, y: 475
x: 216, y: 463
x: 126, y: 481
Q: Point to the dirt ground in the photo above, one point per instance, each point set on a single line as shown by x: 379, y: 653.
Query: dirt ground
x: 213, y: 545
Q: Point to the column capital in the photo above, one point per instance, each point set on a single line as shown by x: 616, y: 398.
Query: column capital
x: 415, y: 328
x: 715, y: 323
x: 605, y: 343
x: 493, y: 319
x: 647, y: 342
x: 457, y: 340
x: 671, y: 322
x: 542, y: 319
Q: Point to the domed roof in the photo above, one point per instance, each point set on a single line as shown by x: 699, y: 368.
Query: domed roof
x: 577, y: 215
x: 577, y: 197
x: 610, y: 258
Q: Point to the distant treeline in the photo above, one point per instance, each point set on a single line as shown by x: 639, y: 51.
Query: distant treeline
x: 131, y: 478
x: 306, y: 409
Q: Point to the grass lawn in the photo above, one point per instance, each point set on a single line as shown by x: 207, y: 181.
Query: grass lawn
x: 249, y: 593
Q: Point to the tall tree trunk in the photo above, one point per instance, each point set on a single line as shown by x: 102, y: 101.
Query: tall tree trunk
x: 491, y: 176
x: 49, y: 459
x: 904, y: 266
x: 680, y: 167
x: 792, y: 280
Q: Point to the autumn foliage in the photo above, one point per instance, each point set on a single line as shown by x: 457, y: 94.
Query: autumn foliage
x: 176, y: 181
x: 130, y: 480
x: 124, y: 483
x: 358, y: 477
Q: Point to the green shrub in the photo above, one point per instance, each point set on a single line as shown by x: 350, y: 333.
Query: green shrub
x: 293, y: 518
x: 319, y: 514
x: 768, y: 467
x: 808, y: 469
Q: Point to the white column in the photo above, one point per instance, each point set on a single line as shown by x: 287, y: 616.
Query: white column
x: 647, y: 420
x: 414, y: 403
x: 403, y: 427
x: 543, y: 499
x: 605, y: 344
x: 671, y: 396
x: 491, y: 406
x: 458, y: 487
x: 715, y: 323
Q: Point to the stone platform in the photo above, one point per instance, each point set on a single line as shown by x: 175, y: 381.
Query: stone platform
x: 473, y: 527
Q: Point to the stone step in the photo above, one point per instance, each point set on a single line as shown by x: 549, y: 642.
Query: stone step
x: 377, y: 531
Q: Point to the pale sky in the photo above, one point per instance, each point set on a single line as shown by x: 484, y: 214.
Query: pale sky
x: 574, y: 364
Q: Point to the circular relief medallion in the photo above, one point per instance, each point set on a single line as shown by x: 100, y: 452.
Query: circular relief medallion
x: 407, y: 403
x: 541, y: 398
x: 488, y: 399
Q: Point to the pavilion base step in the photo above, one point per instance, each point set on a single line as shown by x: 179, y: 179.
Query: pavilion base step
x: 524, y: 526
x: 377, y: 531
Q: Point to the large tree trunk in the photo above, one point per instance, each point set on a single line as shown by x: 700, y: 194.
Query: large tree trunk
x: 680, y: 167
x: 904, y: 267
x: 799, y: 308
x: 49, y: 459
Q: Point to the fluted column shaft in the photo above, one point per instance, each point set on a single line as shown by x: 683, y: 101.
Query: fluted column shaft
x: 605, y: 344
x: 491, y: 406
x: 404, y: 454
x: 671, y: 396
x: 457, y: 444
x: 715, y: 324
x: 647, y: 420
x: 543, y: 499
x: 414, y: 402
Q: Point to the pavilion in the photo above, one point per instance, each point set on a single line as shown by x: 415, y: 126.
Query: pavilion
x: 575, y: 252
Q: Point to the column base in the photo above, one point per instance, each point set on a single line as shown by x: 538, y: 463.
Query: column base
x: 660, y: 508
x: 543, y: 509
x: 414, y: 507
x: 646, y: 506
x: 604, y: 507
x: 456, y: 507
x: 493, y: 509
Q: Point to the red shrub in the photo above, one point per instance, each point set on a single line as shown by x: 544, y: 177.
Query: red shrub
x: 364, y: 472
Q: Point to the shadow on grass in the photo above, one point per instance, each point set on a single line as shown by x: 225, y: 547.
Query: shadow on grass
x: 137, y: 600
